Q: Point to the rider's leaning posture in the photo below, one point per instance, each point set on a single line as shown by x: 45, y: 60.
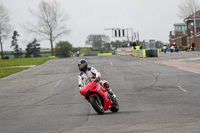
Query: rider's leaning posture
x: 87, y: 72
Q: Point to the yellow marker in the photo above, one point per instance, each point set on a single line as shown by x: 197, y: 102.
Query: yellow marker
x: 111, y: 63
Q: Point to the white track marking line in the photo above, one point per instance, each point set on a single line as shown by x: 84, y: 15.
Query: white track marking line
x: 180, y: 88
x: 57, y: 83
x: 195, y: 59
x: 55, y: 86
x: 188, y: 59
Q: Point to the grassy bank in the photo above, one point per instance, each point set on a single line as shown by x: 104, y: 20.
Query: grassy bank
x: 23, y: 61
x: 8, y: 71
x: 8, y: 67
x: 11, y: 56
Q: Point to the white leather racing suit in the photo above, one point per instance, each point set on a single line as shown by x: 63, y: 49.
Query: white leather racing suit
x: 91, y: 72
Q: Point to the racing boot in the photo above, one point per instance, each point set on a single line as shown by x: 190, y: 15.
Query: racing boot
x: 112, y: 96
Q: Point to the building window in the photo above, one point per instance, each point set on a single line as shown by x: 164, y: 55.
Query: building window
x: 184, y: 28
x: 198, y: 23
x: 178, y: 28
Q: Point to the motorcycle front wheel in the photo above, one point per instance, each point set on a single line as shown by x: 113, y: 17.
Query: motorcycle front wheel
x: 97, y: 104
x: 115, y: 107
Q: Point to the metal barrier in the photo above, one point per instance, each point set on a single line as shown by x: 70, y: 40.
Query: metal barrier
x: 139, y: 53
x: 142, y: 53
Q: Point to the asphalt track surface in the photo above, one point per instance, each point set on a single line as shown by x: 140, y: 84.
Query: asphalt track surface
x: 153, y: 97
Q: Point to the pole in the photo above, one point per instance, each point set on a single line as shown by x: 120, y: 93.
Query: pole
x: 194, y: 27
x: 194, y: 21
x: 1, y: 46
x: 127, y: 36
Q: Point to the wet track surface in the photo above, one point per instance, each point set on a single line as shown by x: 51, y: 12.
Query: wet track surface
x: 153, y: 97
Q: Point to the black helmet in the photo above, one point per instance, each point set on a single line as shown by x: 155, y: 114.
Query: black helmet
x: 82, y: 65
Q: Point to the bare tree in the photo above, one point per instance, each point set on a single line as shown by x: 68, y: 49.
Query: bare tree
x: 5, y: 27
x: 51, y: 22
x: 97, y: 41
x: 188, y: 7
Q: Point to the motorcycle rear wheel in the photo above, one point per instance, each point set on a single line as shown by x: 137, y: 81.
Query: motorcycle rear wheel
x: 115, y: 107
x: 97, y: 104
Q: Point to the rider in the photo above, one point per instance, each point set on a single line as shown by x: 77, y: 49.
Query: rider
x: 91, y: 72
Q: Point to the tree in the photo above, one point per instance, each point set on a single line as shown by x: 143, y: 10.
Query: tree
x: 188, y: 7
x: 63, y: 48
x: 97, y: 41
x: 117, y: 43
x: 107, y: 46
x: 5, y: 27
x: 18, y: 51
x: 51, y: 22
x: 159, y: 44
x: 33, y: 48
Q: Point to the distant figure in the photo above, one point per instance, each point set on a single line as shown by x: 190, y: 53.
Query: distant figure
x: 77, y: 53
x: 193, y: 45
x: 134, y: 45
x: 175, y: 46
x: 137, y: 47
x: 140, y: 46
x: 170, y: 46
x: 164, y: 48
x: 172, y: 49
x: 177, y: 49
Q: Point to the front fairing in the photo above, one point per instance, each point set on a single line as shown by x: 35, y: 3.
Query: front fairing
x: 93, y: 88
x: 89, y: 87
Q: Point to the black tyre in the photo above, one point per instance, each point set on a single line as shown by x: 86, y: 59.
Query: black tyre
x: 115, y: 107
x: 97, y: 104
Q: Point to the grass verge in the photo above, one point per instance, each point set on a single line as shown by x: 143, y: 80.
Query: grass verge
x: 23, y: 61
x: 8, y: 71
x: 8, y: 67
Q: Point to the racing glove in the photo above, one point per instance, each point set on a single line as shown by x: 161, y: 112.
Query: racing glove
x: 97, y: 80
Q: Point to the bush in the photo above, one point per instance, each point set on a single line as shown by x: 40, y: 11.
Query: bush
x: 63, y: 48
x: 86, y: 51
x: 102, y: 50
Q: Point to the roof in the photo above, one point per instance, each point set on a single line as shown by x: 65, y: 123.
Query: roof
x: 177, y: 24
x: 197, y: 15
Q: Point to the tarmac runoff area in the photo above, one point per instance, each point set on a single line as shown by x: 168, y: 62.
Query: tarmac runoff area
x: 187, y: 66
x: 153, y: 98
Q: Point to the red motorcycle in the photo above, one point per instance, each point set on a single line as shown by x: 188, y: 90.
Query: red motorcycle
x: 98, y: 97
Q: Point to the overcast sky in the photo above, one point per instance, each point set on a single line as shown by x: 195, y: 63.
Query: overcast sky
x: 152, y: 18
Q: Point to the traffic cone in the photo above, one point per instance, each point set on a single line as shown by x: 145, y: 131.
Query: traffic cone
x: 198, y: 54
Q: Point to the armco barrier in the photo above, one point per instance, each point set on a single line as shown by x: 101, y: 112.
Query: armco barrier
x: 104, y: 54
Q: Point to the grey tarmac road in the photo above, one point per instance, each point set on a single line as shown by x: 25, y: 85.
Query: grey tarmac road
x: 153, y: 98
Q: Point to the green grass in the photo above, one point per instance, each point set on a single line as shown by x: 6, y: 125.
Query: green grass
x: 11, y: 56
x: 23, y: 61
x: 8, y: 71
x: 8, y: 67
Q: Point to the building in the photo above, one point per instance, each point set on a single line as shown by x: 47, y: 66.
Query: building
x: 187, y: 34
x: 179, y: 36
